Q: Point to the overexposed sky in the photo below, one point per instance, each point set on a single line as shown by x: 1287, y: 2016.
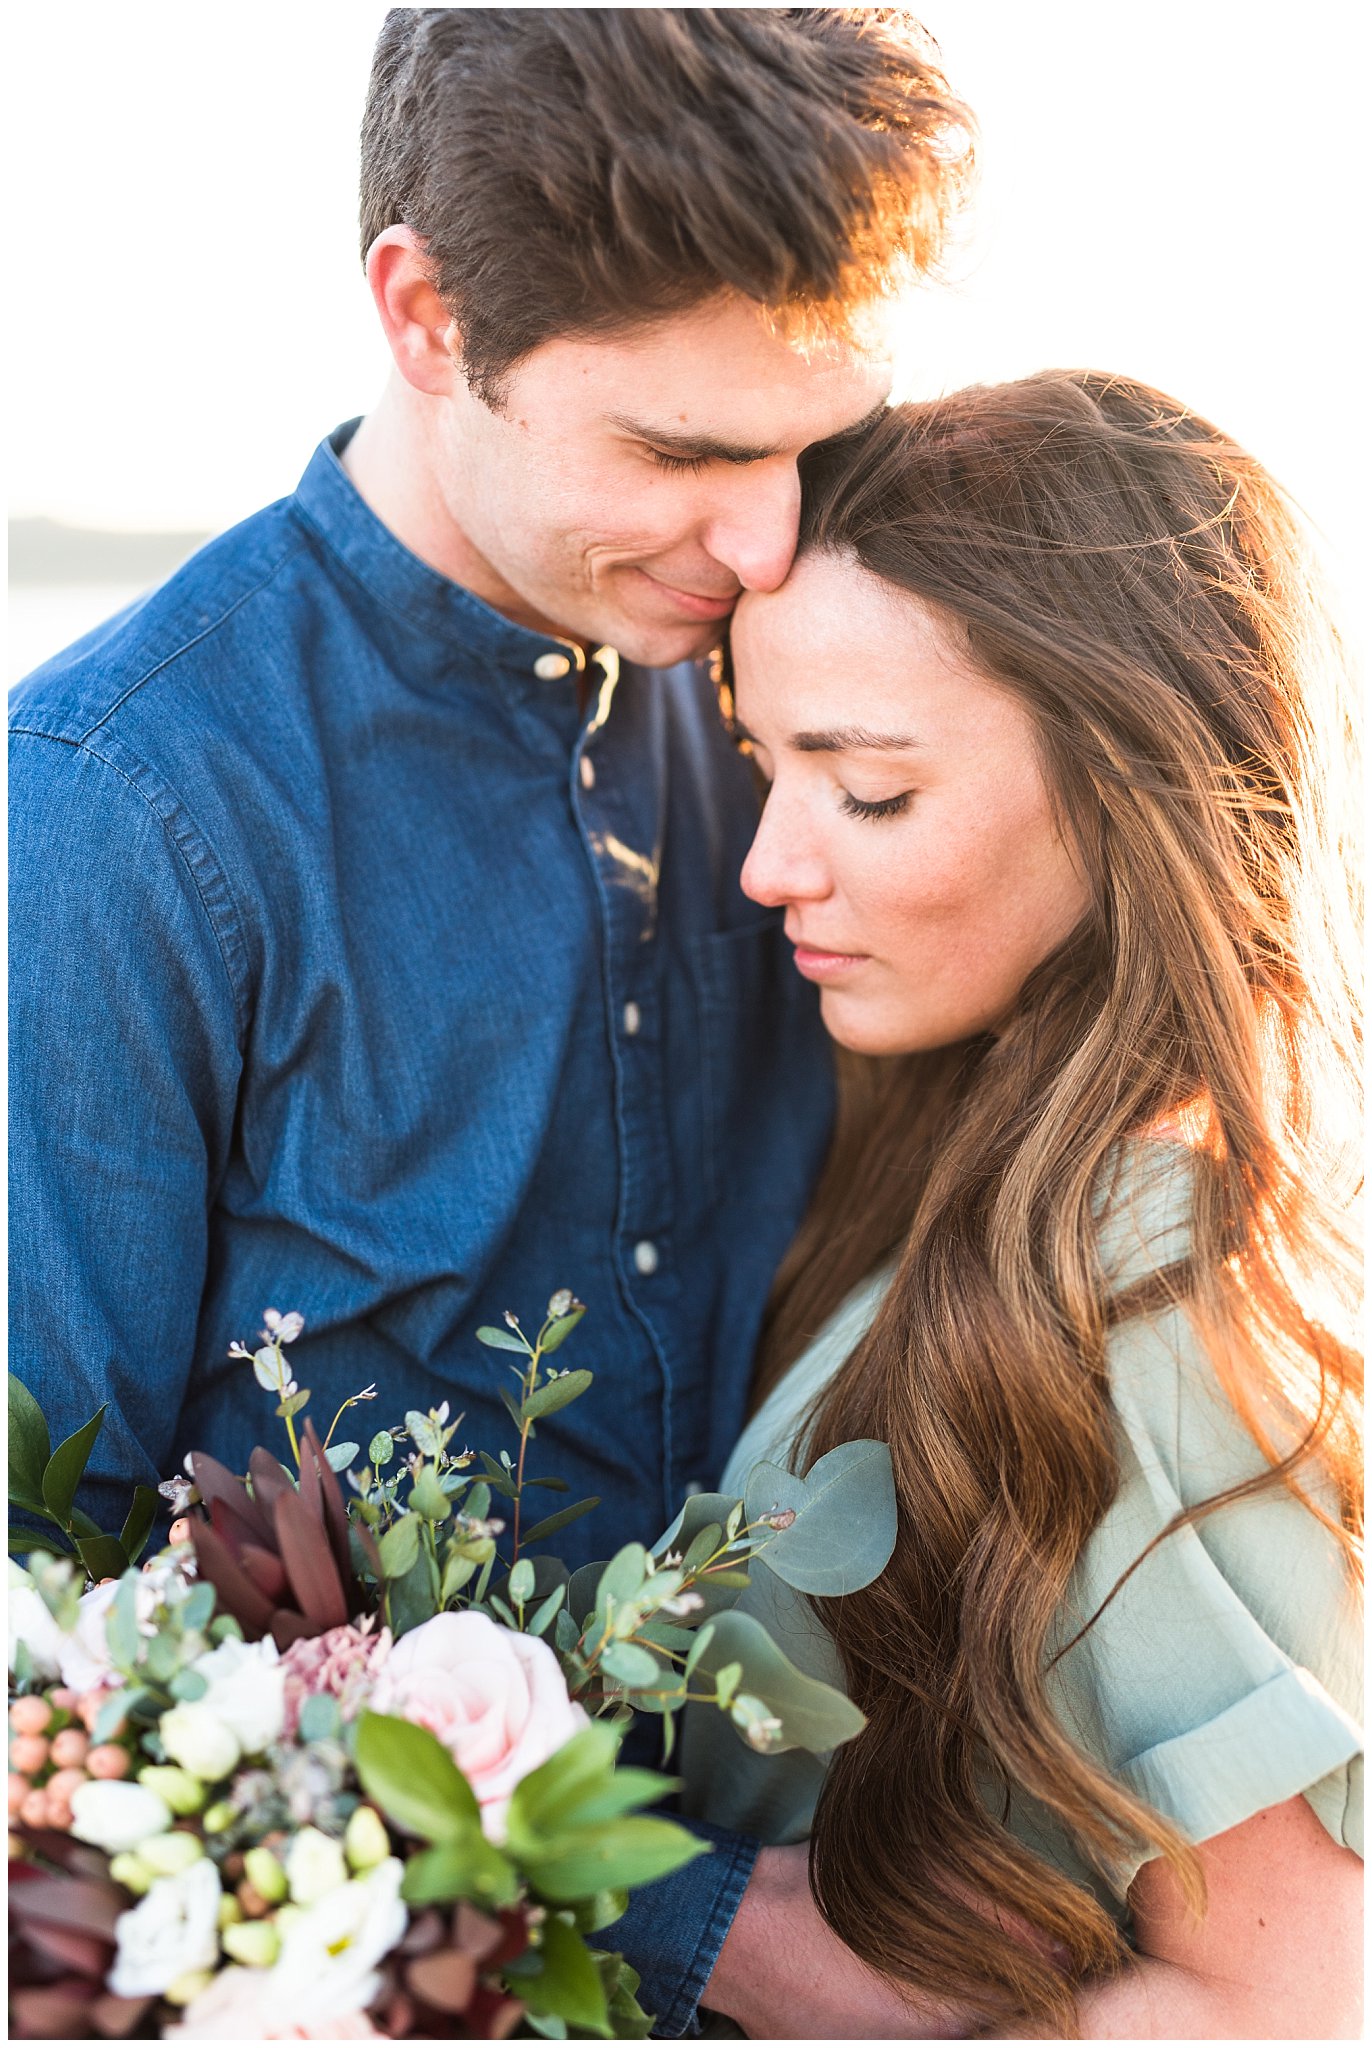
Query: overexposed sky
x: 1172, y: 190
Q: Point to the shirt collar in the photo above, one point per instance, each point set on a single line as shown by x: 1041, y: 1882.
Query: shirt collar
x: 427, y: 601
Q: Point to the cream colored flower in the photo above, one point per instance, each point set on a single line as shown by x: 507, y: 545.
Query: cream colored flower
x: 171, y: 1930
x: 496, y: 1699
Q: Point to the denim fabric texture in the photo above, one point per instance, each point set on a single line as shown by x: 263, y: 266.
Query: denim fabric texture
x: 356, y: 970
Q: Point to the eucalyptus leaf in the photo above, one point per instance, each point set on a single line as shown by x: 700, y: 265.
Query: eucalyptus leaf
x: 399, y: 1547
x: 413, y: 1598
x: 630, y: 1664
x: 321, y: 1718
x: 427, y: 1497
x: 381, y: 1449
x: 189, y: 1685
x: 292, y: 1404
x: 845, y: 1519
x: 555, y: 1394
x: 521, y: 1581
x: 703, y: 1638
x: 501, y: 1340
x: 553, y: 1525
x: 121, y: 1624
x: 198, y: 1608
x: 546, y: 1609
x: 341, y: 1456
x: 114, y: 1708
x: 813, y: 1715
x: 456, y: 1572
x: 514, y: 1410
x: 622, y: 1578
x: 562, y: 1330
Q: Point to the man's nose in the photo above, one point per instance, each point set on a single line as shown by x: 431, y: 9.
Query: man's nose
x: 753, y: 530
x: 784, y: 863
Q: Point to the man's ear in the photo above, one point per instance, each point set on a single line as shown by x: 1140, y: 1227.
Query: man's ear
x: 423, y: 336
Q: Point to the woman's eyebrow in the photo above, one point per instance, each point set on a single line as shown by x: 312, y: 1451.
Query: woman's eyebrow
x: 851, y: 739
x: 841, y: 739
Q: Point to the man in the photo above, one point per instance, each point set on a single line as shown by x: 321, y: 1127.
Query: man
x: 378, y: 945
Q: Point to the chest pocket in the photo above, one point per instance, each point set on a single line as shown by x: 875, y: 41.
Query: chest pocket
x: 766, y: 1069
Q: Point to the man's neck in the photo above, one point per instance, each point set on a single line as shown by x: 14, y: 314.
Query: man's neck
x: 390, y: 460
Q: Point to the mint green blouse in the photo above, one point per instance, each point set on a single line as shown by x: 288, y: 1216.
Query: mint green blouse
x: 1224, y: 1676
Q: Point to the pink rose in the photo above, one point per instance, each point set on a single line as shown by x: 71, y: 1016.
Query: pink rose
x: 495, y: 1698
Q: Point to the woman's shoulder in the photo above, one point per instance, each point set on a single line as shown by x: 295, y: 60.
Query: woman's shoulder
x: 1143, y: 1204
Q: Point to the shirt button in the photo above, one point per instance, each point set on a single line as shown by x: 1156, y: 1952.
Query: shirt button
x: 587, y: 772
x: 645, y: 1256
x: 549, y: 667
x: 633, y: 1019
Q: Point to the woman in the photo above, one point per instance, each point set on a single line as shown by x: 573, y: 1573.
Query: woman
x: 1054, y: 739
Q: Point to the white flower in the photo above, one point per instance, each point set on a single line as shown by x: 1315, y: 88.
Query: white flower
x: 31, y: 1624
x: 326, y: 1972
x: 194, y: 1736
x: 285, y: 1329
x: 84, y: 1657
x: 314, y: 1866
x: 172, y: 1929
x: 114, y: 1814
x: 247, y: 1691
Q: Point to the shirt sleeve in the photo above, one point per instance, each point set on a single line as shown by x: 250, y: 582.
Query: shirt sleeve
x: 124, y: 1067
x: 1221, y: 1673
x: 674, y: 1930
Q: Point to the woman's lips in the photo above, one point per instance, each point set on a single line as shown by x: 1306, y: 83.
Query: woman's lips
x: 817, y: 965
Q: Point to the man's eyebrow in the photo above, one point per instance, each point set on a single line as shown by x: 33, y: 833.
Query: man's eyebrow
x: 710, y: 448
x: 700, y: 447
x: 839, y: 739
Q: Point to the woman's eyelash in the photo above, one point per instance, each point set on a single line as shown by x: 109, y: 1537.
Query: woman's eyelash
x: 884, y: 807
x: 678, y: 465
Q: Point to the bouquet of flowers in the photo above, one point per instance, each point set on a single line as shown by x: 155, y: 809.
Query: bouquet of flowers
x: 340, y: 1760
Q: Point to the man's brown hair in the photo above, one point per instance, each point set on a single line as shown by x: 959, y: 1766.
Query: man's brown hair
x: 579, y: 170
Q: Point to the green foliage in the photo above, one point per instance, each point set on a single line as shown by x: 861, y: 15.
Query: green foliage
x: 742, y: 1656
x: 559, y: 1978
x: 553, y: 1525
x: 29, y: 1449
x: 844, y: 1524
x: 573, y: 1830
x: 413, y: 1779
x: 557, y: 1393
x: 62, y: 1474
x: 501, y: 1340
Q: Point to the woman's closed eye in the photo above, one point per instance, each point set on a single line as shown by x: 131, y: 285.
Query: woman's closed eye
x: 880, y: 807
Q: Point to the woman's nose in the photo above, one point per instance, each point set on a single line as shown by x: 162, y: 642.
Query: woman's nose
x: 784, y: 863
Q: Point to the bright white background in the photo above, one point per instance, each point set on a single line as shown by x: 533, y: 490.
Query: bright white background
x: 1173, y: 190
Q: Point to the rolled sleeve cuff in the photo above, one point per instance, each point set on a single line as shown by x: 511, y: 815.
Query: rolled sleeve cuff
x: 674, y: 1930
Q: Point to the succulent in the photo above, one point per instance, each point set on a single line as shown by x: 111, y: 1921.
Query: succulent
x: 277, y: 1554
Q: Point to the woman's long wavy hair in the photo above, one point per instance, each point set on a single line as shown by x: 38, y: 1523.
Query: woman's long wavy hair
x: 1140, y: 585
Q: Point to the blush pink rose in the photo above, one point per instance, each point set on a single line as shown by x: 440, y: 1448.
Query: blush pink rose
x: 496, y: 1699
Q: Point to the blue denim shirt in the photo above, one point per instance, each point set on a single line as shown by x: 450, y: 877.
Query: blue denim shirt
x: 355, y: 969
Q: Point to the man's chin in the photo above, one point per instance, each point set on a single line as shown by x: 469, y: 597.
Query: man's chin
x: 660, y: 646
